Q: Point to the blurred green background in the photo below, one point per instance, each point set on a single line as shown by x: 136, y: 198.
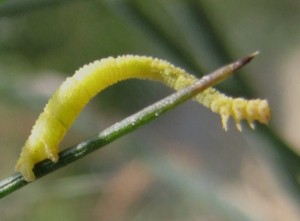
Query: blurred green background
x: 183, y: 166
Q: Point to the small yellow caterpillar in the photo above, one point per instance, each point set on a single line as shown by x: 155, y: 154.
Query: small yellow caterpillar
x: 70, y: 98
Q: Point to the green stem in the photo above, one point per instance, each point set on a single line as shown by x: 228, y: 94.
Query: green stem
x: 288, y: 159
x: 123, y: 127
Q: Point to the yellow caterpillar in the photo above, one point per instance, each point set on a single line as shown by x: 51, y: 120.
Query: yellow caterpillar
x: 70, y: 98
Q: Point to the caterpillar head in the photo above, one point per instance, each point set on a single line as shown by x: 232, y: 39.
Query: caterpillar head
x: 25, y: 165
x: 33, y: 152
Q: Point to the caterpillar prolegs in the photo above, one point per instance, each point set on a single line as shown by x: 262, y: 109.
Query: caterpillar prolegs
x: 74, y: 93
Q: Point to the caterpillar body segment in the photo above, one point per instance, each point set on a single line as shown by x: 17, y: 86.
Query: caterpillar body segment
x: 237, y: 108
x: 75, y: 92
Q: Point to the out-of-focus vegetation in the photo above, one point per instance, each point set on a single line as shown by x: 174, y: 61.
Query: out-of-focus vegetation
x: 183, y: 166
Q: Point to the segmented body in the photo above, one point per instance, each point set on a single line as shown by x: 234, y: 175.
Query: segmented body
x: 70, y: 98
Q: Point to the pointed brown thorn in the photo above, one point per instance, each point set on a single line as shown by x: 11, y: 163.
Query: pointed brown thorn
x: 231, y: 68
x: 228, y: 70
x: 243, y: 61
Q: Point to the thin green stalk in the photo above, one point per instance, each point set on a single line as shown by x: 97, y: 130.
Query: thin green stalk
x: 218, y: 44
x: 288, y: 159
x: 123, y: 127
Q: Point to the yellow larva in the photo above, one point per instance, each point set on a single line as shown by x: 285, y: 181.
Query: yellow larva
x: 70, y: 98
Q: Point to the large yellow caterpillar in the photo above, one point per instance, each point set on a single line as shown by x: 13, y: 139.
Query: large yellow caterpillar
x: 67, y: 102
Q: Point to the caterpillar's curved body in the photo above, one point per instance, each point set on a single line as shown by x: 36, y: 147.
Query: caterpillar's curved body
x: 67, y: 102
